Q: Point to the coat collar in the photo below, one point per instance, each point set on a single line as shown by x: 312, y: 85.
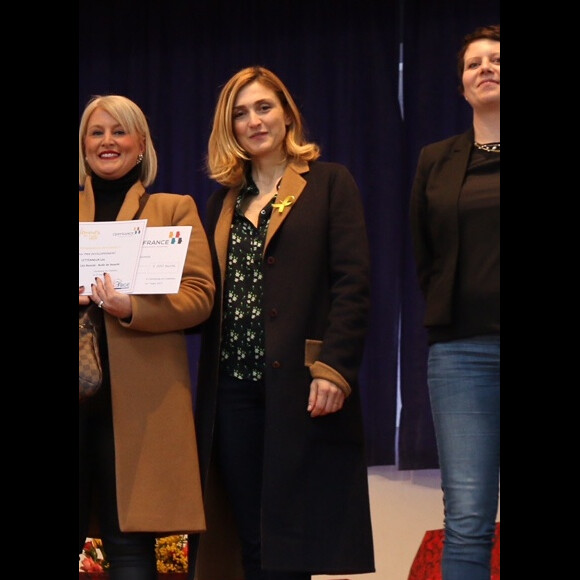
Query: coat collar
x: 454, y: 171
x: 128, y: 209
x: 291, y: 188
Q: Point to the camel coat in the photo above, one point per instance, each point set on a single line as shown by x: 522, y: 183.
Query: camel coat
x: 158, y: 479
x: 315, y: 502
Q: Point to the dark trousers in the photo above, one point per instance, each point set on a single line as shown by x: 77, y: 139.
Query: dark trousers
x: 240, y: 443
x: 131, y: 555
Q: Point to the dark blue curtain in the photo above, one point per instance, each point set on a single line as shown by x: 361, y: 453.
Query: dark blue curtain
x: 342, y: 62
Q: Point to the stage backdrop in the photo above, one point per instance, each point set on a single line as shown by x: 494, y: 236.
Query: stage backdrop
x: 375, y: 80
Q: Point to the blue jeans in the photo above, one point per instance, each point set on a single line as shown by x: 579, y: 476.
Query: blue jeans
x: 464, y: 389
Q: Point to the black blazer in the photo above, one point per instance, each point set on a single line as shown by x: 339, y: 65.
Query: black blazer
x: 434, y: 218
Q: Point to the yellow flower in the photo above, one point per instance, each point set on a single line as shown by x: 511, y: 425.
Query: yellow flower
x: 171, y: 553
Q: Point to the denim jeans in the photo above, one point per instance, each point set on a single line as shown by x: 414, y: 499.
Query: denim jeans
x: 464, y: 389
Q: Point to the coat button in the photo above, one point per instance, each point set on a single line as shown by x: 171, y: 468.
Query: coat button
x: 273, y: 313
x: 276, y: 364
x: 270, y: 260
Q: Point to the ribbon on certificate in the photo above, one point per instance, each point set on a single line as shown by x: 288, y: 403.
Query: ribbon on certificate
x: 283, y: 204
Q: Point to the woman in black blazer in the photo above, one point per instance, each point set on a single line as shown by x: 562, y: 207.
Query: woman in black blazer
x: 455, y: 211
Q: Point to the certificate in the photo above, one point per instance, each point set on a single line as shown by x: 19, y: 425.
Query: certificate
x: 113, y: 247
x: 162, y: 260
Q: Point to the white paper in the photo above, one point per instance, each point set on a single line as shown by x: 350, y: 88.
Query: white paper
x: 113, y: 247
x: 162, y: 260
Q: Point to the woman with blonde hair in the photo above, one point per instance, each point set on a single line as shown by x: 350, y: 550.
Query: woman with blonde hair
x: 138, y: 464
x: 278, y: 408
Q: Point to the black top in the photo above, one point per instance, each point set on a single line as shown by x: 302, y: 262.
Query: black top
x: 476, y: 296
x: 243, y: 346
x: 110, y: 194
x: 109, y: 197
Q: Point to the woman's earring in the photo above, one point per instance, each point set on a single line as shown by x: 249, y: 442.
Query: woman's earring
x: 139, y: 158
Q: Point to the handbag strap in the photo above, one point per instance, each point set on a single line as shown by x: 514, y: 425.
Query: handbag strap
x: 142, y: 201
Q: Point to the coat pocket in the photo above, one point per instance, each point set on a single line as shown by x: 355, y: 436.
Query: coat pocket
x: 312, y: 350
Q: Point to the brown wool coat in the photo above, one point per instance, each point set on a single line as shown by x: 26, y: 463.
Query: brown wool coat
x: 316, y: 514
x: 158, y: 479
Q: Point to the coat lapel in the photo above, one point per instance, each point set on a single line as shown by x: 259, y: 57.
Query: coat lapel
x: 127, y: 211
x: 453, y: 172
x: 222, y: 228
x: 291, y: 188
x: 130, y: 206
x: 87, y: 202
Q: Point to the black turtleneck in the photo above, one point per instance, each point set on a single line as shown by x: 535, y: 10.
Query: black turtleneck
x: 110, y: 194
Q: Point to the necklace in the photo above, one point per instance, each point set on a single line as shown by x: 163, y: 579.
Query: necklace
x: 490, y: 147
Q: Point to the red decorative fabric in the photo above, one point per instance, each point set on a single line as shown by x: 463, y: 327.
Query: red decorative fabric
x: 427, y: 562
x: 160, y: 576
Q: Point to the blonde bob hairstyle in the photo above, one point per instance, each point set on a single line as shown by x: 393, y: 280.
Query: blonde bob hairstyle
x: 132, y: 119
x: 226, y: 160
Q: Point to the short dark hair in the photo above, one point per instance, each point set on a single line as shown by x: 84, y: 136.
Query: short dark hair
x: 490, y: 32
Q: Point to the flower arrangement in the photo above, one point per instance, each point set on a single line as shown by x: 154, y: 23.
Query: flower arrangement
x: 171, y: 552
x: 93, y: 559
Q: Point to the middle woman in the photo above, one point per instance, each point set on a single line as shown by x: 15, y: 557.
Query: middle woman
x: 278, y: 411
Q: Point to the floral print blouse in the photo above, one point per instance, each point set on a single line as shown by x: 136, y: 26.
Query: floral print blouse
x: 242, y: 354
